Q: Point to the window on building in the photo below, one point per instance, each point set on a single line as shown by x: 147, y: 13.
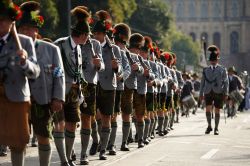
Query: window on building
x: 234, y: 42
x: 192, y: 10
x: 204, y: 9
x: 193, y: 36
x: 217, y: 39
x: 180, y: 9
x: 216, y: 11
x: 235, y: 8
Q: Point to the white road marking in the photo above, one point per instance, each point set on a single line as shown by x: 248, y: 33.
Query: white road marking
x: 245, y: 147
x: 209, y: 154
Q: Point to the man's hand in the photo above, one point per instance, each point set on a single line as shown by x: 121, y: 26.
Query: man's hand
x: 97, y: 61
x: 119, y: 77
x: 201, y: 98
x: 22, y: 54
x: 146, y: 73
x: 114, y: 64
x: 56, y: 105
x: 135, y: 67
x: 150, y: 83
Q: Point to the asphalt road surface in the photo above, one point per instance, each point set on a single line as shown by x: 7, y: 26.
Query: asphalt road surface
x: 186, y: 145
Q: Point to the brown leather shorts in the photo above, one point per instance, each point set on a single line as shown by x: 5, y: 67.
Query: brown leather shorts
x: 127, y: 101
x: 71, y: 108
x: 214, y: 98
x: 139, y: 103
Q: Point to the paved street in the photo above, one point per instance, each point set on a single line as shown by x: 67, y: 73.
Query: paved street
x: 187, y: 145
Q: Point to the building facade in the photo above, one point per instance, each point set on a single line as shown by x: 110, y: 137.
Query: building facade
x: 225, y: 23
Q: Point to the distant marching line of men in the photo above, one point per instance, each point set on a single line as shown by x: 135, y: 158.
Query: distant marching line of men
x: 91, y: 77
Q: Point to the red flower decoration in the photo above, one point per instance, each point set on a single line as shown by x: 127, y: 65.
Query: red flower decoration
x: 90, y: 20
x: 108, y: 26
x: 167, y: 56
x: 18, y: 12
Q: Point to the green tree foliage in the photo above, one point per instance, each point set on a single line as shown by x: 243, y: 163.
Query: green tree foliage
x: 151, y: 18
x: 187, y: 51
x: 122, y: 10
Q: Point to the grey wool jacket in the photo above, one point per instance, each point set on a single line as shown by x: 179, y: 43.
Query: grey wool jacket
x: 155, y: 70
x: 51, y: 82
x: 215, y: 80
x: 69, y: 60
x: 142, y: 80
x: 131, y: 81
x: 107, y: 78
x: 89, y: 69
x: 126, y: 70
x: 16, y: 77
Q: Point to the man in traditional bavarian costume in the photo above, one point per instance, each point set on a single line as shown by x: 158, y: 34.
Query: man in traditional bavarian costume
x: 146, y: 53
x: 235, y: 85
x: 107, y: 78
x: 17, y: 65
x: 136, y: 43
x: 197, y: 84
x: 176, y: 92
x: 72, y: 61
x: 129, y: 87
x: 121, y: 37
x: 92, y: 64
x: 187, y: 91
x: 172, y: 85
x: 159, y: 75
x: 48, y: 91
x: 165, y: 76
x: 214, y: 88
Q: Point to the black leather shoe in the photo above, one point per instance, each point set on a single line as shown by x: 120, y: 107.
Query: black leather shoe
x: 152, y: 136
x: 124, y: 147
x: 112, y: 150
x: 160, y: 133
x: 140, y: 144
x: 84, y: 160
x: 102, y: 155
x: 171, y: 128
x: 33, y: 144
x: 3, y: 154
x: 165, y: 132
x: 71, y: 163
x: 209, y: 129
x: 146, y: 142
x: 65, y: 164
x: 216, y: 132
x: 93, y: 149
